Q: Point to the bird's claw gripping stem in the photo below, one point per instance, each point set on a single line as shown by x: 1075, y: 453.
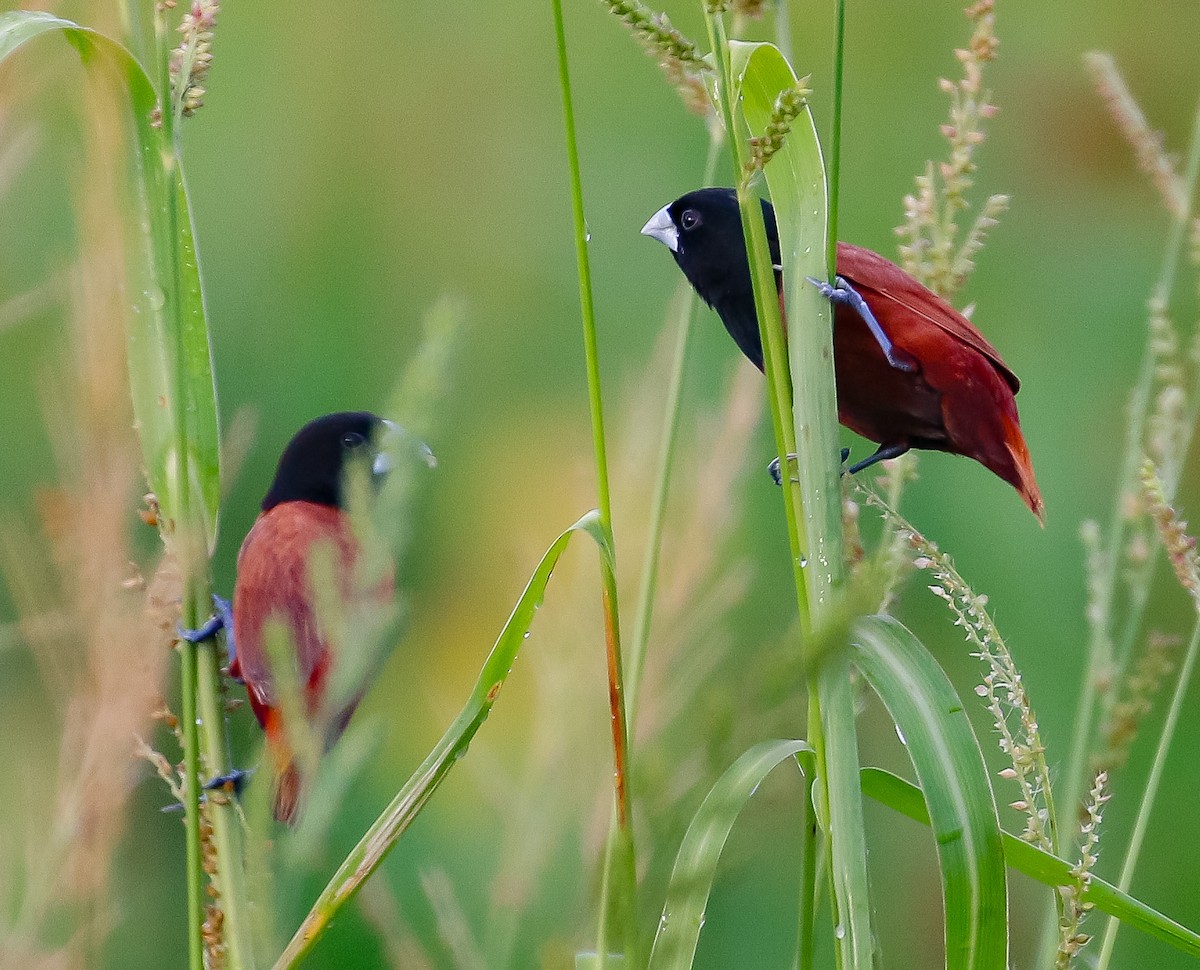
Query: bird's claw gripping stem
x: 777, y: 476
x: 222, y: 619
x: 882, y: 453
x: 233, y: 781
x: 842, y: 292
x: 230, y: 783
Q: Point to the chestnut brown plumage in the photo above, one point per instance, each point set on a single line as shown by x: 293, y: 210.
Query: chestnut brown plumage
x: 952, y: 392
x: 302, y: 511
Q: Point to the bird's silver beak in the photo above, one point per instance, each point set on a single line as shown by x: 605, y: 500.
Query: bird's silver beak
x: 390, y: 442
x: 663, y: 229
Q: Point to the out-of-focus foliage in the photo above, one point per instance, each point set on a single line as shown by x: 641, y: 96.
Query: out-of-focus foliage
x: 341, y: 182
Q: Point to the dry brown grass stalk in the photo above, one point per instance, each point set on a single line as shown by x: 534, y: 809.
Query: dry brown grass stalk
x: 401, y: 947
x: 1147, y: 144
x: 103, y: 658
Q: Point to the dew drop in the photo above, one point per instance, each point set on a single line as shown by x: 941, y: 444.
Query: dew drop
x: 839, y: 931
x: 900, y: 735
x: 525, y: 635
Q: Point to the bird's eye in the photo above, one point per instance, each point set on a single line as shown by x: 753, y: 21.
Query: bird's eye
x: 690, y: 219
x: 352, y: 439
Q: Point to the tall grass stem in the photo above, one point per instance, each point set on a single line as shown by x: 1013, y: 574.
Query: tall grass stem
x: 188, y: 669
x: 833, y: 164
x: 806, y: 932
x: 1101, y: 649
x: 1150, y: 791
x: 189, y: 665
x: 203, y: 729
x: 620, y: 849
x: 802, y: 394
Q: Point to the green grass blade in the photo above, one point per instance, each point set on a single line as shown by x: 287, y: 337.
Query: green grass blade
x: 199, y: 390
x: 174, y: 400
x: 17, y: 27
x: 152, y: 282
x: 696, y: 863
x: 954, y: 780
x: 905, y: 798
x: 795, y: 177
x: 383, y: 834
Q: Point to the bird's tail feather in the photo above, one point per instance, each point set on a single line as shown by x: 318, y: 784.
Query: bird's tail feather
x: 288, y: 794
x: 1023, y: 481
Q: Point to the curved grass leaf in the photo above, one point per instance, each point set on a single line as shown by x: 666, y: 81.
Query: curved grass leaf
x: 167, y: 318
x: 906, y: 798
x: 696, y: 863
x: 385, y: 832
x: 945, y: 753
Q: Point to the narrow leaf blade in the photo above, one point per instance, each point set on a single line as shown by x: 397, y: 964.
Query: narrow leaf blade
x: 905, y: 798
x: 954, y: 780
x: 386, y: 831
x: 696, y: 862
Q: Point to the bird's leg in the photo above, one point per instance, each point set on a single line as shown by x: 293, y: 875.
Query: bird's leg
x: 227, y: 784
x: 882, y: 453
x: 842, y: 292
x: 777, y: 475
x: 222, y: 619
x: 221, y: 786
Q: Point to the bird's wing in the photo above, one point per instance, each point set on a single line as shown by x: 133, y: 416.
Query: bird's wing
x: 273, y: 584
x: 868, y: 271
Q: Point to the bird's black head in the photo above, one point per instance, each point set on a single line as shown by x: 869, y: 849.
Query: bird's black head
x: 313, y: 464
x: 703, y: 230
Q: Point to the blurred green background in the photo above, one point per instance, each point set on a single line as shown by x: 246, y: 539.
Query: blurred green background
x: 352, y: 163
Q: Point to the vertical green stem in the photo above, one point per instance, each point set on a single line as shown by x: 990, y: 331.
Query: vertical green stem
x: 833, y: 164
x: 1150, y: 792
x: 770, y: 326
x: 620, y: 849
x: 202, y: 704
x: 132, y: 28
x: 806, y: 933
x: 783, y: 28
x: 188, y: 661
x: 191, y: 805
x: 803, y: 409
x: 586, y: 303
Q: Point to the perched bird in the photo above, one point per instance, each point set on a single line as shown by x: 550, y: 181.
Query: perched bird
x: 912, y: 372
x: 303, y: 510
